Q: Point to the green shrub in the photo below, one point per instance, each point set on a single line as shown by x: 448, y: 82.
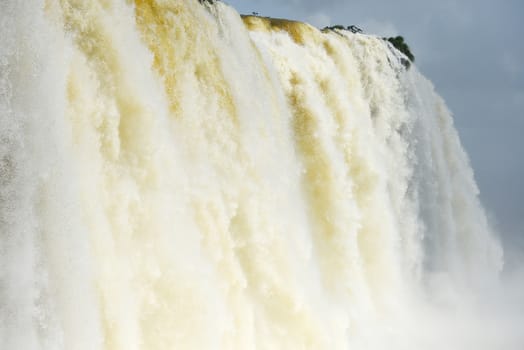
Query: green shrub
x: 336, y: 26
x: 401, y: 45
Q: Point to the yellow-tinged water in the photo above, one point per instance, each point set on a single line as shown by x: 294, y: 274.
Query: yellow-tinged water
x: 175, y: 176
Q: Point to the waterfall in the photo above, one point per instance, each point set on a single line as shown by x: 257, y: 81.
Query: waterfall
x: 174, y: 175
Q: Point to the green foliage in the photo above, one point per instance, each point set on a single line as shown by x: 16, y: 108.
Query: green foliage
x: 351, y: 28
x: 336, y: 26
x: 354, y: 29
x: 400, y: 45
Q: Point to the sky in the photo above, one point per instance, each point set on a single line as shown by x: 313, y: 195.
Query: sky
x: 473, y: 52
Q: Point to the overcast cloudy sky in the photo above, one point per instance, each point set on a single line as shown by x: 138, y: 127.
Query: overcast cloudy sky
x: 473, y: 51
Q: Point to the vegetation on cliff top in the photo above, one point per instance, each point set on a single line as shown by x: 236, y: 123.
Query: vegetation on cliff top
x: 401, y: 45
x: 351, y: 28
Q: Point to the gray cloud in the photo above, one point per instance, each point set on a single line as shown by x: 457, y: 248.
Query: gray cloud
x: 473, y: 52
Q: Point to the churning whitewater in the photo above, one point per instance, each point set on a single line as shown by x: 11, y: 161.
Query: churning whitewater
x: 174, y: 176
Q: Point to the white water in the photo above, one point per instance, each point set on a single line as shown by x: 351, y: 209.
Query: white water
x: 170, y: 179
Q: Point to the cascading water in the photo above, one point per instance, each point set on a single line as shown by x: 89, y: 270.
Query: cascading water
x: 175, y: 176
